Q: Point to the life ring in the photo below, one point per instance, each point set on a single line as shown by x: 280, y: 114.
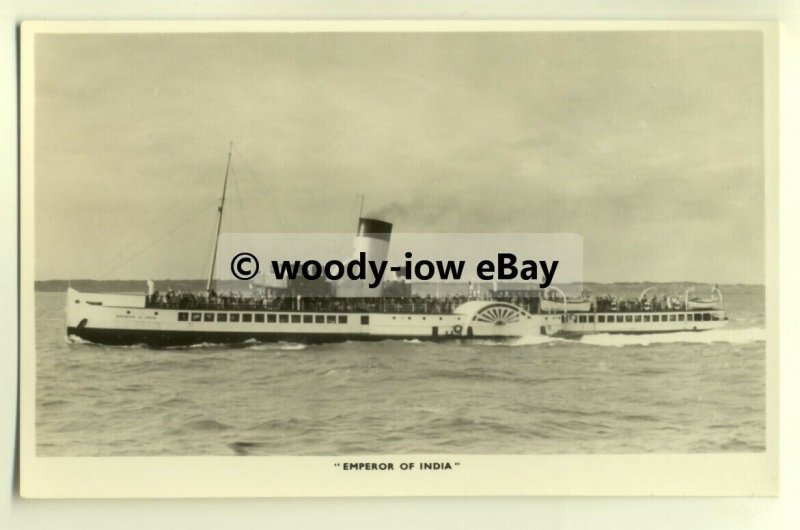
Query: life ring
x: 457, y: 329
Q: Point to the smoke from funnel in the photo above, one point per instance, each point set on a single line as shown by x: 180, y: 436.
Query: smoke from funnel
x: 392, y: 211
x: 423, y: 212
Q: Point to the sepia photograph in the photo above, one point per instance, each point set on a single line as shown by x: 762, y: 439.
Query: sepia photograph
x: 399, y: 246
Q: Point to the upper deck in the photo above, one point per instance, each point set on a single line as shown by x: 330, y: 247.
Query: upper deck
x: 418, y: 305
x: 401, y: 304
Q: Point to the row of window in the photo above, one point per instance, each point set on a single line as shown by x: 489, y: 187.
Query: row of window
x: 672, y: 317
x: 268, y: 317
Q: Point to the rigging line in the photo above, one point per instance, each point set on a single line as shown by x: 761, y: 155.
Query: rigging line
x: 208, y: 265
x: 123, y: 256
x: 248, y: 234
x: 158, y: 240
x: 242, y: 213
x: 151, y: 244
x: 209, y: 258
x: 242, y: 197
x: 238, y: 191
x: 269, y: 200
x: 249, y: 173
x: 239, y: 201
x: 147, y: 231
x: 220, y: 210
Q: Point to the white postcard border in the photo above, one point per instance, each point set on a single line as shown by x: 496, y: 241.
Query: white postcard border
x: 141, y: 477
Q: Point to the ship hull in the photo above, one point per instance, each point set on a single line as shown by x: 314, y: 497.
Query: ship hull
x: 575, y: 335
x: 127, y: 320
x: 167, y: 339
x: 641, y: 323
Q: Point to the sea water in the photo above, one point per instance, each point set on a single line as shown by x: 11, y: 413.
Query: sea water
x: 671, y: 393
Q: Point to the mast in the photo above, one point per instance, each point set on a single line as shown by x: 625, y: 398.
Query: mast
x: 219, y: 219
x: 360, y: 212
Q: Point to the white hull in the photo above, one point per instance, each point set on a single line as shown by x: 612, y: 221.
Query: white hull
x: 93, y: 317
x: 643, y: 322
x: 124, y: 319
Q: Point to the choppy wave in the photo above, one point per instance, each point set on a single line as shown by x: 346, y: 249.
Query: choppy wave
x: 198, y: 346
x: 278, y: 346
x: 207, y: 425
x: 530, y: 395
x: 533, y: 340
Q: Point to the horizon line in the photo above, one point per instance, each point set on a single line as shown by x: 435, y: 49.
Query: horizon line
x: 422, y: 282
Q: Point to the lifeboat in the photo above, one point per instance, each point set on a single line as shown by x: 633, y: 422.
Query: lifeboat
x: 695, y: 303
x: 564, y: 304
x: 570, y: 306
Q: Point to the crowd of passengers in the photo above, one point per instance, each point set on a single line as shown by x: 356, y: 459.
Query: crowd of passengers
x: 609, y: 302
x: 395, y: 304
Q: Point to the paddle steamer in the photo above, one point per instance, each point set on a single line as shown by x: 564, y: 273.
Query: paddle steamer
x: 153, y: 320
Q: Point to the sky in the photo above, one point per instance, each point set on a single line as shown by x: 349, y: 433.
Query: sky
x: 647, y: 144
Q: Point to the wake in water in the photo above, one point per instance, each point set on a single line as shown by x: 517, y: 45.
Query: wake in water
x: 74, y: 340
x: 250, y: 344
x: 278, y: 346
x: 528, y: 340
x: 730, y: 336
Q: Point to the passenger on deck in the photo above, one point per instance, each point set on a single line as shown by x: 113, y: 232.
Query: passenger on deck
x: 152, y: 299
